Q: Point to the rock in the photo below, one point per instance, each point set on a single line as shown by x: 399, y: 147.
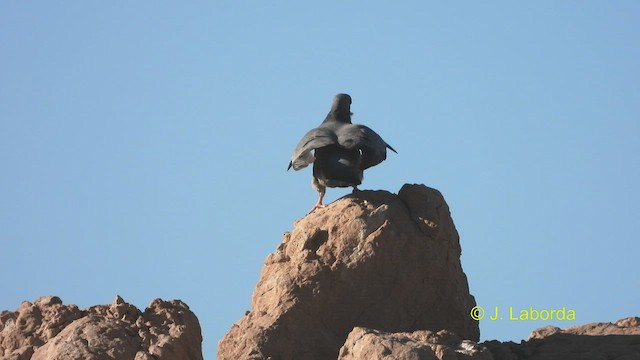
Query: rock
x: 371, y: 344
x: 371, y: 259
x: 91, y: 338
x: 619, y: 340
x: 172, y: 330
x: 47, y: 329
x: 626, y: 326
x: 32, y: 325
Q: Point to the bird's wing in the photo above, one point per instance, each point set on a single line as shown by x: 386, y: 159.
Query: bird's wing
x: 314, y: 139
x: 373, y: 148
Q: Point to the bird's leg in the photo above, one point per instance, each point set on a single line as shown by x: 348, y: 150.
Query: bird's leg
x: 321, y: 191
x: 355, y: 189
x: 319, y: 204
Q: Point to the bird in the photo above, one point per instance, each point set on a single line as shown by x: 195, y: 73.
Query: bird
x: 339, y: 150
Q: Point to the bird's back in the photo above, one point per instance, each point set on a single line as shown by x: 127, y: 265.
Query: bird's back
x: 335, y: 166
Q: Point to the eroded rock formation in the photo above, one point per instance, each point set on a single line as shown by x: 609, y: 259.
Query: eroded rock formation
x: 418, y: 345
x: 372, y: 259
x: 47, y: 329
x: 596, y: 341
x: 619, y: 340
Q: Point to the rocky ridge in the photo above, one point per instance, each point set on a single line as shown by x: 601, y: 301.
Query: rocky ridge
x: 360, y: 279
x: 595, y: 341
x: 47, y: 329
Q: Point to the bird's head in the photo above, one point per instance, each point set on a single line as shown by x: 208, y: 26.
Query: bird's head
x: 341, y: 106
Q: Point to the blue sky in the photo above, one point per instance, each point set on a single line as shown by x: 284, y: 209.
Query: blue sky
x: 143, y: 145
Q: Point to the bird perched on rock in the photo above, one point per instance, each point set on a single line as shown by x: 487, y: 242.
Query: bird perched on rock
x: 341, y: 150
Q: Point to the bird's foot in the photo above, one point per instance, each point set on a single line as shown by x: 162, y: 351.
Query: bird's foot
x: 355, y: 190
x: 316, y: 206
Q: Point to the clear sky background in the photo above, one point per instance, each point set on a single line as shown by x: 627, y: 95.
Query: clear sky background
x: 143, y: 145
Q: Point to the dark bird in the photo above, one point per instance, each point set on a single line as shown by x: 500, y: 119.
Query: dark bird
x: 341, y: 150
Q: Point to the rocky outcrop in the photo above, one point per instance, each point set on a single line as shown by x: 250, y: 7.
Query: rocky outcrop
x: 372, y: 259
x: 619, y: 340
x: 419, y: 345
x: 47, y: 329
x: 596, y: 341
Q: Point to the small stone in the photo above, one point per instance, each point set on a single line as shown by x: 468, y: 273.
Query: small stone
x: 118, y: 300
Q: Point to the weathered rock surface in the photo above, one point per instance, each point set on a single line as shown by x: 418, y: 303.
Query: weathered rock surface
x: 597, y: 341
x: 49, y: 330
x: 419, y: 345
x: 371, y: 259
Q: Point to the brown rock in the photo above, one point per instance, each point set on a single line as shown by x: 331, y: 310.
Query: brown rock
x: 91, y: 338
x: 371, y: 259
x: 371, y: 344
x: 626, y: 326
x: 47, y: 330
x: 619, y: 340
x: 33, y: 324
x: 173, y: 331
